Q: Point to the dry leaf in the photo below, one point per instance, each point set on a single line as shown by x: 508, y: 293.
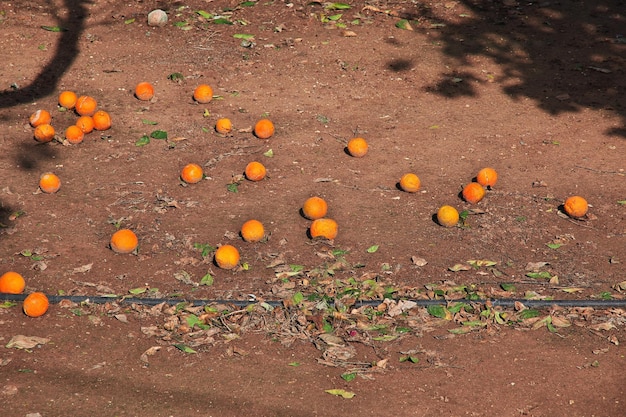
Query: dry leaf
x: 26, y: 342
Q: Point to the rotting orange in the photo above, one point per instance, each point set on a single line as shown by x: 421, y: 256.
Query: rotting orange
x: 44, y: 133
x: 324, y: 227
x: 74, y: 134
x: 487, y: 177
x: 223, y: 126
x: 576, y: 206
x: 447, y: 216
x: 36, y: 304
x: 12, y: 283
x: 85, y: 123
x: 252, y: 231
x: 101, y: 120
x: 264, y: 129
x: 203, y: 93
x: 357, y: 147
x: 40, y: 117
x: 314, y: 208
x: 410, y: 183
x: 227, y: 257
x: 49, y: 183
x: 124, y: 241
x: 473, y: 192
x: 67, y: 99
x: 144, y: 91
x: 192, y: 173
x: 86, y: 105
x: 255, y: 171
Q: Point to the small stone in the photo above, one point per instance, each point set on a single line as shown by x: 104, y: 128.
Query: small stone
x: 157, y: 17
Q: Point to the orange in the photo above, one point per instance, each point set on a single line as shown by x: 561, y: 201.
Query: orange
x: 86, y: 105
x: 410, y: 183
x: 144, y: 91
x: 473, y: 192
x: 40, y: 117
x: 85, y: 123
x: 264, y: 129
x: 255, y: 171
x: 357, y: 147
x: 36, y: 304
x: 203, y: 94
x: 314, y: 208
x: 576, y: 206
x: 447, y: 216
x: 227, y: 257
x: 74, y: 134
x: 101, y: 120
x: 12, y: 283
x: 124, y: 241
x: 44, y: 133
x: 192, y: 173
x: 67, y: 99
x: 49, y: 183
x: 324, y: 228
x: 487, y: 177
x: 252, y: 231
x: 223, y: 126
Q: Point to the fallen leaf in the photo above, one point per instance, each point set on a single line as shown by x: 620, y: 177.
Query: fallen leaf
x: 418, y: 261
x: 26, y: 342
x: 340, y: 393
x: 150, y: 352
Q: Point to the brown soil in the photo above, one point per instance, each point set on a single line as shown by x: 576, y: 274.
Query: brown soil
x: 535, y: 90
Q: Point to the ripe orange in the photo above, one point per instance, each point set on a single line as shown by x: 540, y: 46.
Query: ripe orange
x: 36, y: 304
x: 314, y: 208
x: 487, y: 177
x: 124, y: 241
x: 144, y: 91
x: 324, y: 228
x: 473, y: 192
x: 40, y: 117
x: 86, y: 105
x: 447, y: 216
x: 101, y: 120
x: 12, y: 283
x: 410, y: 183
x: 576, y: 206
x: 227, y: 257
x: 74, y: 134
x: 264, y: 129
x: 44, y: 133
x: 203, y: 94
x: 255, y: 171
x: 192, y: 173
x: 252, y: 231
x: 357, y: 147
x: 223, y: 126
x: 49, y: 183
x: 85, y: 123
x: 67, y: 99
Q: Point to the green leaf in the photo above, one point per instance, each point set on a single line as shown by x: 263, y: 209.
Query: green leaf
x: 8, y: 304
x: 294, y: 364
x: 269, y: 153
x: 207, y: 280
x: 528, y: 314
x: 204, y: 14
x: 297, y: 298
x: 247, y: 4
x: 554, y: 245
x: 539, y: 275
x: 508, y: 287
x: 438, y: 311
x: 348, y: 376
x: 372, y: 249
x: 136, y: 291
x: 143, y: 141
x: 334, y: 17
x: 340, y: 393
x: 233, y: 187
x: 184, y: 348
x: 481, y: 262
x: 159, y: 134
x: 385, y: 338
x: 176, y: 76
x: 53, y: 28
x: 404, y: 24
x: 337, y: 6
x: 409, y: 358
x: 193, y: 321
x: 222, y: 21
x: 243, y: 36
x: 149, y: 122
x: 180, y: 24
x: 296, y: 268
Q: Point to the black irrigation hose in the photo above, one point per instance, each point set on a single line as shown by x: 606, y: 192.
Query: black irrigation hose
x: 498, y: 302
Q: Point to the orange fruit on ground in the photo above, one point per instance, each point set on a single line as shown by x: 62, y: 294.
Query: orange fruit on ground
x: 144, y: 91
x: 227, y: 257
x: 36, y: 304
x: 314, y: 208
x: 68, y: 99
x: 264, y: 129
x: 576, y: 206
x: 223, y: 126
x: 86, y: 105
x: 255, y: 171
x: 357, y: 147
x: 447, y: 216
x: 203, y: 93
x: 85, y: 123
x: 487, y: 177
x: 473, y: 192
x: 192, y: 173
x: 49, y: 183
x: 101, y: 120
x: 252, y: 231
x: 40, y: 117
x: 74, y: 134
x: 324, y: 228
x: 44, y: 133
x: 124, y: 241
x: 12, y: 283
x: 410, y: 183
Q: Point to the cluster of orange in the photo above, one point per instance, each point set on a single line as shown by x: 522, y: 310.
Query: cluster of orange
x: 35, y: 304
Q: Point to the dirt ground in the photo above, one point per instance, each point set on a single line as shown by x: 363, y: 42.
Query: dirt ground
x: 300, y: 328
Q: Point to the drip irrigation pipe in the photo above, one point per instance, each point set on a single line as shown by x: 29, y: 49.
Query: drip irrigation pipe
x: 498, y: 302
